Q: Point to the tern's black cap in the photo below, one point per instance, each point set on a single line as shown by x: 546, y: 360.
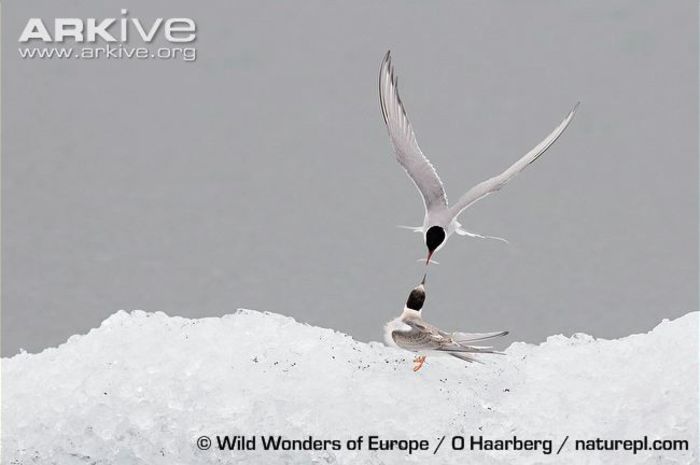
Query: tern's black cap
x: 417, y: 297
x: 434, y: 237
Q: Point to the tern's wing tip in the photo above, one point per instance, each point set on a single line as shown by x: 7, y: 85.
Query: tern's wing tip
x: 386, y: 61
x: 574, y: 109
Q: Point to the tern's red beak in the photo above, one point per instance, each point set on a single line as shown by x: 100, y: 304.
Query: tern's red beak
x: 430, y: 254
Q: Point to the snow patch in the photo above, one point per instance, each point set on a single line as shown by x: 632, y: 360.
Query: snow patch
x: 142, y: 387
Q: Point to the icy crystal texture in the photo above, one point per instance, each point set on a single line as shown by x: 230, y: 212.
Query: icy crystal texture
x: 142, y: 387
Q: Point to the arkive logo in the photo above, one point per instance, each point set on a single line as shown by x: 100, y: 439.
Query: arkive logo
x: 121, y: 38
x: 120, y: 30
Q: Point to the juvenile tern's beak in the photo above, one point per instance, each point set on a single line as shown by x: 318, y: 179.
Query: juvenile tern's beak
x: 422, y: 283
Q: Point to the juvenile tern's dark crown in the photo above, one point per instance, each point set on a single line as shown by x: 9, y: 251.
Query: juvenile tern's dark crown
x: 416, y: 298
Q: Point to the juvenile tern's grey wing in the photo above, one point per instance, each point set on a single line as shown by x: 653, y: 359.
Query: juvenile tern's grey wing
x: 433, y: 338
x: 403, y: 139
x: 474, y: 337
x: 493, y: 184
x: 422, y: 336
x: 417, y: 336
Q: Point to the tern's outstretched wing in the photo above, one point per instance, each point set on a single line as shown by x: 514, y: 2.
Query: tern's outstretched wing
x: 403, y: 139
x: 484, y: 188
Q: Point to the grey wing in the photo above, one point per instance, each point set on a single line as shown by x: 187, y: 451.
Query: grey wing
x: 464, y: 338
x: 403, y: 139
x: 415, y: 340
x: 493, y: 184
x: 424, y: 337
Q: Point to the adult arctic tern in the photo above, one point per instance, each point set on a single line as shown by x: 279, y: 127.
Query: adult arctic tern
x: 440, y: 219
x: 410, y: 332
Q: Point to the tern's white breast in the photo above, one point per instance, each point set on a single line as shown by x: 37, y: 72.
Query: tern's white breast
x: 394, y: 325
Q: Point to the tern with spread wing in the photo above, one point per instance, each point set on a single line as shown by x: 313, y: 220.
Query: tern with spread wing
x: 440, y: 219
x: 410, y: 332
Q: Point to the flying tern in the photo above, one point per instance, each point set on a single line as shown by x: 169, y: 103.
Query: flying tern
x: 410, y: 332
x: 440, y: 219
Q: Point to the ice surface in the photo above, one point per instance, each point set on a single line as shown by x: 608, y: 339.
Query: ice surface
x: 143, y: 386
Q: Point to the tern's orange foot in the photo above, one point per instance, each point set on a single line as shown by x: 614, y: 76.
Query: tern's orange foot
x: 418, y: 362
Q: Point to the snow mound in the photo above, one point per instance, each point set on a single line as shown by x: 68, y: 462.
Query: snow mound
x: 142, y: 387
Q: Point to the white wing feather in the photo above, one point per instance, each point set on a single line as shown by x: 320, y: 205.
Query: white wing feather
x: 403, y: 139
x: 493, y: 184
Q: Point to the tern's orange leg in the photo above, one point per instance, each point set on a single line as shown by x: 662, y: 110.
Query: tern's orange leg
x: 418, y: 362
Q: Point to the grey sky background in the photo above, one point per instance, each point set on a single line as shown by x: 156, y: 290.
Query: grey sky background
x: 261, y: 176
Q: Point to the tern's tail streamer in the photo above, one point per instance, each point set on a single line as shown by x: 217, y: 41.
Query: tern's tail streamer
x: 463, y: 232
x: 418, y: 229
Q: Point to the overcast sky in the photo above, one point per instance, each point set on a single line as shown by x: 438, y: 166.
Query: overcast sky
x: 261, y: 175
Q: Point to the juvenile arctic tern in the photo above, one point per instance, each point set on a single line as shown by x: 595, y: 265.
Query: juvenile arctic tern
x: 440, y: 220
x: 410, y: 332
